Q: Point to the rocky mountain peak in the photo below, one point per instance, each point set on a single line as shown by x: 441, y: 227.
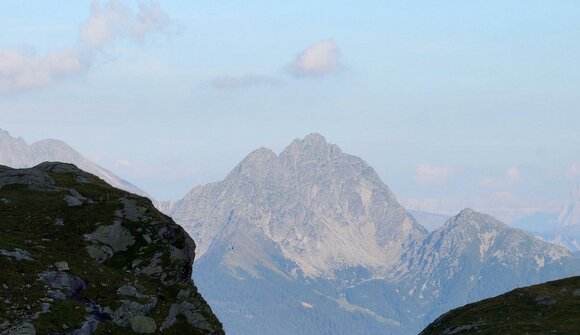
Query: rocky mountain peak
x: 326, y: 210
x: 310, y: 147
x: 471, y: 218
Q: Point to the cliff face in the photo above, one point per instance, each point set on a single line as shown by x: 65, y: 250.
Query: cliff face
x: 326, y: 211
x: 80, y: 257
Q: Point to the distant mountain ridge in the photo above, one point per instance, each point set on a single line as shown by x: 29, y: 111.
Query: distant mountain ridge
x: 317, y: 229
x: 17, y: 153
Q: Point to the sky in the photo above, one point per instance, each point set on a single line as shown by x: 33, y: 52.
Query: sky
x: 452, y: 102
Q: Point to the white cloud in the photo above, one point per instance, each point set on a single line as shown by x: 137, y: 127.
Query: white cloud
x: 23, y: 70
x: 114, y: 19
x: 245, y: 81
x: 426, y: 174
x: 320, y: 59
x: 511, y: 177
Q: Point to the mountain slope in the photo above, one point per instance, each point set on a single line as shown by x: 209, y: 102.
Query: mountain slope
x: 549, y: 308
x: 78, y: 256
x: 17, y: 153
x: 474, y: 256
x: 313, y: 237
x: 324, y: 209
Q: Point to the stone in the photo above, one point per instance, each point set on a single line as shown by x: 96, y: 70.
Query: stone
x: 131, y: 210
x: 25, y: 329
x: 130, y: 309
x: 143, y: 325
x: 68, y: 283
x: 18, y: 254
x: 191, y: 313
x: 116, y: 236
x: 72, y: 201
x: 576, y: 293
x: 130, y: 291
x: 56, y: 294
x: 100, y: 253
x: 62, y: 266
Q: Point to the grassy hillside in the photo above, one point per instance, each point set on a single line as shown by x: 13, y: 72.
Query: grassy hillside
x: 77, y: 254
x: 549, y: 308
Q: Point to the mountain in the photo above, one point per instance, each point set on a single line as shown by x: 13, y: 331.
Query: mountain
x: 561, y: 228
x: 311, y: 241
x: 474, y: 256
x: 549, y: 308
x: 570, y: 214
x: 16, y: 153
x: 326, y: 210
x: 79, y: 256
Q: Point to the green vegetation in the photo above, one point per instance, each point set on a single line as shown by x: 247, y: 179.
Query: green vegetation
x: 37, y: 219
x: 549, y: 308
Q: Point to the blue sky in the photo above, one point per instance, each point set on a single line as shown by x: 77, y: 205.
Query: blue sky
x: 447, y: 100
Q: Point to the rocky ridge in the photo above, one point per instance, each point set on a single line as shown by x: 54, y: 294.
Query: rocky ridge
x: 16, y: 153
x: 326, y: 210
x: 317, y: 228
x: 81, y: 257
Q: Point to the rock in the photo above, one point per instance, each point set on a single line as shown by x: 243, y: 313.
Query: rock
x: 17, y: 254
x: 116, y: 236
x: 56, y: 294
x: 62, y: 266
x: 25, y: 329
x: 130, y: 309
x: 100, y: 253
x: 143, y: 325
x: 34, y: 178
x: 45, y: 306
x: 131, y: 211
x: 68, y: 283
x: 88, y: 327
x: 153, y: 268
x: 576, y: 293
x: 147, y: 238
x: 72, y: 201
x: 107, y: 310
x: 191, y: 313
x: 130, y: 291
x: 5, y: 201
x: 59, y: 222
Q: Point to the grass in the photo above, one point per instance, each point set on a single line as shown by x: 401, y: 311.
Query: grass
x: 28, y: 222
x: 521, y: 311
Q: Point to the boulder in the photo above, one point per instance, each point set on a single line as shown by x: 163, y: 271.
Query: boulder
x: 143, y: 325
